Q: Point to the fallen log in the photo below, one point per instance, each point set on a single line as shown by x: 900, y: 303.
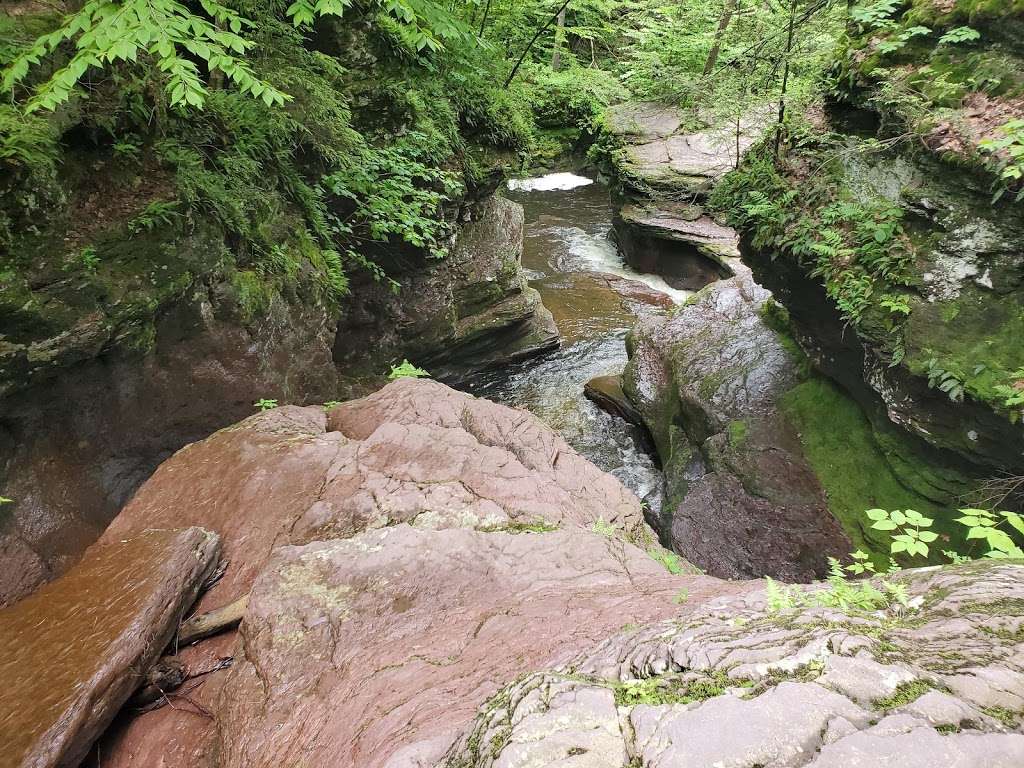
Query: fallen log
x: 207, y: 624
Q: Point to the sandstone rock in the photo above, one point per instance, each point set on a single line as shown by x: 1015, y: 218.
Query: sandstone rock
x: 473, y: 308
x: 74, y: 651
x: 388, y: 659
x: 660, y: 156
x: 741, y: 498
x: 606, y: 392
x: 416, y: 452
x: 736, y: 684
x: 689, y: 252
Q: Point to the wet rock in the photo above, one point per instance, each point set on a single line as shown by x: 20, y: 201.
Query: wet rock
x: 74, y: 651
x: 75, y: 447
x: 471, y: 309
x: 738, y: 683
x: 606, y: 392
x: 415, y: 452
x: 742, y: 499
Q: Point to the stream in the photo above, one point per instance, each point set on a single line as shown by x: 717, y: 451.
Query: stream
x: 595, y: 298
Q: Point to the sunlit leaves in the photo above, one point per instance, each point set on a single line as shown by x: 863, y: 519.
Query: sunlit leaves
x: 162, y: 31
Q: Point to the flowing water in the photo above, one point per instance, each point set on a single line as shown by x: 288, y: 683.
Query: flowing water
x: 595, y: 298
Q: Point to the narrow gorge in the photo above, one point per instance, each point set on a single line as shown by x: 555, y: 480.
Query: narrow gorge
x: 592, y: 384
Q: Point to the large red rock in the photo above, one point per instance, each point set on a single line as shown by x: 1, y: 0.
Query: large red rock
x: 416, y: 452
x: 377, y: 650
x: 73, y: 652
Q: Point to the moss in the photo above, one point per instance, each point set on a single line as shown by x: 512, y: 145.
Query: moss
x: 252, y: 293
x: 904, y: 694
x: 1006, y: 716
x: 671, y: 689
x: 840, y: 445
x: 972, y: 336
x: 538, y: 526
x: 737, y: 431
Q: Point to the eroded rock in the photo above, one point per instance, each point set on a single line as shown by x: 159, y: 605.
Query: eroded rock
x: 741, y: 498
x: 416, y: 452
x: 739, y: 683
x: 74, y: 651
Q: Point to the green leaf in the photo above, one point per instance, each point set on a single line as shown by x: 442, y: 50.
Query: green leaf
x: 877, y: 514
x: 928, y: 536
x: 885, y: 525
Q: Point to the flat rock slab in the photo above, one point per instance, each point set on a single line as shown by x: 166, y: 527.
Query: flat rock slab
x: 73, y: 652
x: 714, y: 240
x: 660, y: 155
x: 738, y: 684
x: 373, y: 651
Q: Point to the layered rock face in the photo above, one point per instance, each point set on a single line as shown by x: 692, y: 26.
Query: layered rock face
x: 93, y: 416
x: 742, y: 499
x: 902, y: 273
x: 737, y: 682
x: 665, y: 174
x: 473, y: 308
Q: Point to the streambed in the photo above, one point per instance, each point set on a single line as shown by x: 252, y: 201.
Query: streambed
x: 595, y: 298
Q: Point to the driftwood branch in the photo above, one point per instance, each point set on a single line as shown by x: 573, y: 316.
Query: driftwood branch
x: 206, y: 624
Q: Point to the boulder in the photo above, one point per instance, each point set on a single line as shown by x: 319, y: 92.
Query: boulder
x: 742, y: 499
x: 739, y: 682
x: 416, y: 452
x: 73, y: 652
x: 471, y: 309
x: 661, y: 156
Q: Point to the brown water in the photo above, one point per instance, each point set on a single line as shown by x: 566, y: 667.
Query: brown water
x: 595, y: 299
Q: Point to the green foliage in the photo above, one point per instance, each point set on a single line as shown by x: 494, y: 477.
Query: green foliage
x: 171, y: 36
x: 911, y: 534
x: 839, y: 592
x: 855, y: 247
x: 397, y: 194
x: 913, y: 537
x: 950, y: 382
x: 5, y: 500
x: 959, y: 35
x: 105, y: 32
x: 876, y: 15
x: 89, y: 259
x: 154, y: 215
x: 407, y: 371
x: 604, y: 527
x: 904, y: 694
x: 670, y: 560
x: 265, y: 404
x: 670, y: 689
x: 1007, y: 150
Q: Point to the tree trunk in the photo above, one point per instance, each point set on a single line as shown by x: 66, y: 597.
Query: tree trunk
x: 556, y: 55
x: 723, y: 24
x: 526, y: 50
x: 785, y: 78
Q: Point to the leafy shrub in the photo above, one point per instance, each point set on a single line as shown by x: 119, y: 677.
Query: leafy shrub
x: 406, y: 370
